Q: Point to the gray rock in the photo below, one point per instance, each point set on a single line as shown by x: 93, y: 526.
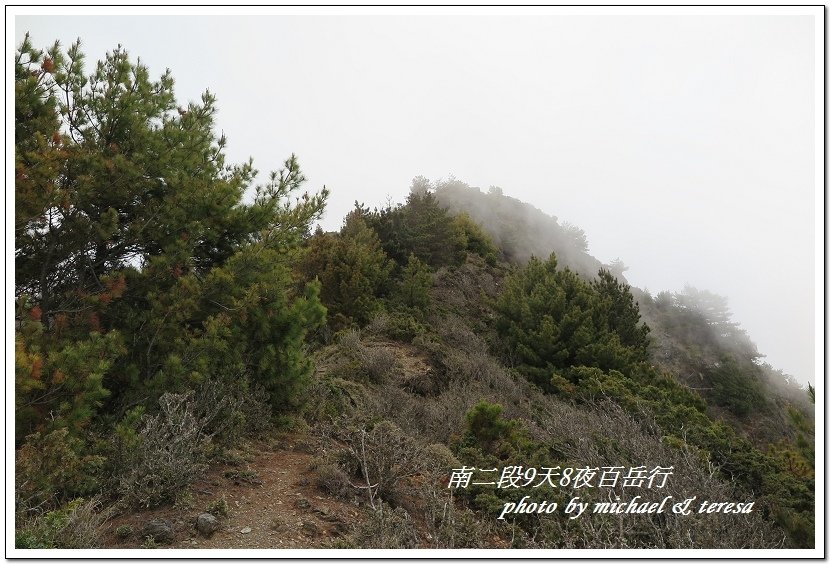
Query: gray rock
x: 207, y: 524
x: 160, y: 529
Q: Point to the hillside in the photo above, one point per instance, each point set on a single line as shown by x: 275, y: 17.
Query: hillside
x: 691, y: 331
x: 197, y: 368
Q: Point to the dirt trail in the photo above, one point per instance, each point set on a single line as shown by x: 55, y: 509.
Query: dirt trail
x: 272, y: 503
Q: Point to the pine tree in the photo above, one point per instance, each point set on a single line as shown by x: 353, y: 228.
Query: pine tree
x: 138, y: 267
x: 553, y: 322
x: 422, y: 227
x: 475, y: 240
x: 352, y: 268
x: 414, y: 285
x: 620, y: 313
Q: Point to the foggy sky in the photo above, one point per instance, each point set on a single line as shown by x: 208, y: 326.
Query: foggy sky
x: 684, y: 145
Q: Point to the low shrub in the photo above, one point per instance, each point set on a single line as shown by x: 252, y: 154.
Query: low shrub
x: 376, y: 462
x: 78, y: 524
x: 166, y: 454
x: 387, y: 528
x: 218, y: 507
x: 332, y: 479
x: 385, y: 456
x: 50, y: 470
x: 375, y: 363
x: 378, y: 363
x: 449, y: 526
x: 397, y: 325
x: 232, y: 408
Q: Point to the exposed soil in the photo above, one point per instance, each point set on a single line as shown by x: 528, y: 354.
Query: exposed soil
x: 272, y: 503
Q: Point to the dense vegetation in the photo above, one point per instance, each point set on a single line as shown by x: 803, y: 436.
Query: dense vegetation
x: 161, y: 316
